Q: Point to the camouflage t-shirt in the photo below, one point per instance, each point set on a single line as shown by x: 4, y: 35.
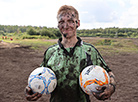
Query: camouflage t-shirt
x: 67, y: 63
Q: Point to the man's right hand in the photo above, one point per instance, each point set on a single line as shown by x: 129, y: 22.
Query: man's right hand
x: 30, y: 96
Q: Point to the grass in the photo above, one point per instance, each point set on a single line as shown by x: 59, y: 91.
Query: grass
x: 104, y: 45
x: 109, y: 46
x: 36, y: 44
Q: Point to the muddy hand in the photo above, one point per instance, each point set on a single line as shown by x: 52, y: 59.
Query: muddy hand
x: 30, y: 96
x: 104, y: 94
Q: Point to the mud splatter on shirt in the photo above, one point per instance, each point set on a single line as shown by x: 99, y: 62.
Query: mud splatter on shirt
x: 67, y: 63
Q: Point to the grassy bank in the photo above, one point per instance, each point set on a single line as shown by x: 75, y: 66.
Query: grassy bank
x: 36, y: 44
x: 104, y: 45
x: 109, y: 46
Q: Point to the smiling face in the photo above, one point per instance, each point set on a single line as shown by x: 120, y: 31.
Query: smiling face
x: 67, y: 24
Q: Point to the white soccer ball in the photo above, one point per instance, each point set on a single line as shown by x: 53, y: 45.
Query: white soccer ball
x: 42, y: 80
x: 92, y: 77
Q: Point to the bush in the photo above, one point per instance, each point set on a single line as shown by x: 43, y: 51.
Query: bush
x: 31, y: 31
x: 117, y: 44
x: 31, y: 37
x: 105, y: 42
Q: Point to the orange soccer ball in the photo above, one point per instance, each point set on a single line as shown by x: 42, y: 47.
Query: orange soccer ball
x: 92, y: 77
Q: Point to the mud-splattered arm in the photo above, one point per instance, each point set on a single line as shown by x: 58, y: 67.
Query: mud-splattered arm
x: 112, y: 80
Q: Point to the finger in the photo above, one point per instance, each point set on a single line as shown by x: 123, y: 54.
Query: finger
x: 39, y: 95
x: 99, y: 88
x: 28, y: 90
x: 36, y: 97
x: 102, y: 94
x: 96, y: 95
x: 104, y: 97
x: 31, y: 97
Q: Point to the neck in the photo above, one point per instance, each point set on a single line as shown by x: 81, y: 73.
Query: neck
x: 70, y: 42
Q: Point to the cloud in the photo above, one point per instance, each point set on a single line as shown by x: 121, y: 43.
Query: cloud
x: 93, y: 13
x: 129, y: 17
x: 27, y: 12
x: 98, y: 11
x: 107, y: 13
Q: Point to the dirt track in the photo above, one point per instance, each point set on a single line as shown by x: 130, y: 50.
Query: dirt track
x: 16, y: 64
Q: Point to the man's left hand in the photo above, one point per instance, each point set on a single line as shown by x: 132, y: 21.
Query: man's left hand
x: 107, y: 91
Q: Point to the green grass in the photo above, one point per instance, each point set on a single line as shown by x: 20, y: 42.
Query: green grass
x: 107, y: 46
x: 36, y: 44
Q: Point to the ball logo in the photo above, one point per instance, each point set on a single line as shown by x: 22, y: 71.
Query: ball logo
x: 88, y: 71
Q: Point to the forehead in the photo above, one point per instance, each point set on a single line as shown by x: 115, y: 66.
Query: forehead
x: 66, y: 15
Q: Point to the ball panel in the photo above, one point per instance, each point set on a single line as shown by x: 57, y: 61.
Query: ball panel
x: 51, y: 86
x: 37, y: 85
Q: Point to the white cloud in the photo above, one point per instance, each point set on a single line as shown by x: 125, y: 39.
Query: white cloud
x: 107, y: 13
x: 99, y: 13
x: 93, y: 13
x: 122, y: 3
x: 129, y: 18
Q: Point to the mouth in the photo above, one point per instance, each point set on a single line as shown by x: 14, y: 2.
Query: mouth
x: 66, y: 31
x: 65, y: 35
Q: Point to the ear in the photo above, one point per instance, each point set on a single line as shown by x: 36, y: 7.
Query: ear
x: 77, y: 23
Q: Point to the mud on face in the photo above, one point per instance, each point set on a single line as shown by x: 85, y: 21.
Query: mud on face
x: 67, y: 21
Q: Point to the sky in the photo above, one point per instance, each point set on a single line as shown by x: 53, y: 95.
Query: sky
x: 92, y: 13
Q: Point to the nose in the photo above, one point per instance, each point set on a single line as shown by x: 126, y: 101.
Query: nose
x: 65, y: 25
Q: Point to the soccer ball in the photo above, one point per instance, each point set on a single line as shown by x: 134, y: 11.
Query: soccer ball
x: 92, y: 77
x: 42, y: 80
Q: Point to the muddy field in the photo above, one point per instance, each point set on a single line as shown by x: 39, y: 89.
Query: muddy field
x: 16, y: 63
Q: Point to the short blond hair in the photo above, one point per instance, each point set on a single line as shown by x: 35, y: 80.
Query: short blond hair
x: 67, y: 8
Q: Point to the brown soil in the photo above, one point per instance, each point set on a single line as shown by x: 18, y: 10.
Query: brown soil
x: 16, y: 63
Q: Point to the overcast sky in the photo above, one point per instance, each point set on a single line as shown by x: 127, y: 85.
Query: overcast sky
x: 93, y: 13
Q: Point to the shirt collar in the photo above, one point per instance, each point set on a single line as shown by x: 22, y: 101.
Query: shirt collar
x: 79, y: 42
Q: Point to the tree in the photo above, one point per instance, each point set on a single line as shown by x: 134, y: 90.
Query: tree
x: 2, y: 32
x: 45, y: 32
x: 31, y: 31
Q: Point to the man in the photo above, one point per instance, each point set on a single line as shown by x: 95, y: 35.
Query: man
x: 68, y: 58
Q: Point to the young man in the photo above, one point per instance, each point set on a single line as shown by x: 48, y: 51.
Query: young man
x: 68, y: 58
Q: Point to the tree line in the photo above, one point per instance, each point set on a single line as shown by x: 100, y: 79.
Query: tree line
x: 55, y: 33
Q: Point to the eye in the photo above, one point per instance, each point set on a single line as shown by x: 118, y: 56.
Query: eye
x: 61, y: 22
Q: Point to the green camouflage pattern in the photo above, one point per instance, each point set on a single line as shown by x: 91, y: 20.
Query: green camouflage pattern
x: 68, y: 68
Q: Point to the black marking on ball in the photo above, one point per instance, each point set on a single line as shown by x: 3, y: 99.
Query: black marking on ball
x: 40, y: 74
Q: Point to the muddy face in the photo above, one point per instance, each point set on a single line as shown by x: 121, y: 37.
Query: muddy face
x: 67, y: 24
